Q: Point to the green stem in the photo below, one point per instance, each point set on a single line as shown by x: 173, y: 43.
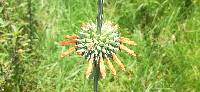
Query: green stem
x: 96, y: 76
x: 30, y: 20
x: 100, y: 15
x: 30, y: 14
x: 99, y: 25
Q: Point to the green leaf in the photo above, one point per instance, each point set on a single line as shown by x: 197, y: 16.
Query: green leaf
x: 3, y: 23
x: 1, y: 9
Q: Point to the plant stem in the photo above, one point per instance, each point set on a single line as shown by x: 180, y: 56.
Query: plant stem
x: 100, y: 15
x: 96, y: 76
x: 30, y: 20
x: 99, y: 25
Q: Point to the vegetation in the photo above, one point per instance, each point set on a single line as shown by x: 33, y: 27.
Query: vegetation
x: 167, y: 33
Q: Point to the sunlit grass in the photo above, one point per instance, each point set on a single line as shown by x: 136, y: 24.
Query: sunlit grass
x: 167, y: 33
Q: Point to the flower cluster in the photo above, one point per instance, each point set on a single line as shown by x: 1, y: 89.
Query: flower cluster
x: 98, y: 47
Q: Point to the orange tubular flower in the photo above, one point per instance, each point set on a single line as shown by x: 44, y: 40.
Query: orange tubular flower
x: 102, y: 68
x: 67, y: 42
x: 71, y: 36
x: 118, y: 61
x: 110, y: 66
x: 127, y: 50
x: 127, y: 41
x: 98, y: 49
x: 70, y: 50
x: 89, y: 69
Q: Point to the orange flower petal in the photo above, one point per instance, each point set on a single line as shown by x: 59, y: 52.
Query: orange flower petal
x: 118, y: 61
x: 127, y: 50
x: 79, y: 53
x: 110, y: 65
x: 102, y: 68
x: 73, y: 36
x: 127, y: 41
x: 89, y: 69
x: 67, y: 42
x: 70, y: 50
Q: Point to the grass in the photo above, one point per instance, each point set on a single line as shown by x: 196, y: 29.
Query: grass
x: 167, y: 33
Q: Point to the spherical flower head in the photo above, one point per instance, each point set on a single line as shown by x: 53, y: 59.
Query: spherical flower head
x: 98, y: 47
x: 91, y: 43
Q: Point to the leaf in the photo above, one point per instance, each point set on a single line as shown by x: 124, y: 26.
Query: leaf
x: 1, y: 9
x: 3, y: 23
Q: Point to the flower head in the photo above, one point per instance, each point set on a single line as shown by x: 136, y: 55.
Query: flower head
x: 98, y: 48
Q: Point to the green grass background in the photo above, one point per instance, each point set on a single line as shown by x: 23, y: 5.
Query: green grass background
x: 167, y: 33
